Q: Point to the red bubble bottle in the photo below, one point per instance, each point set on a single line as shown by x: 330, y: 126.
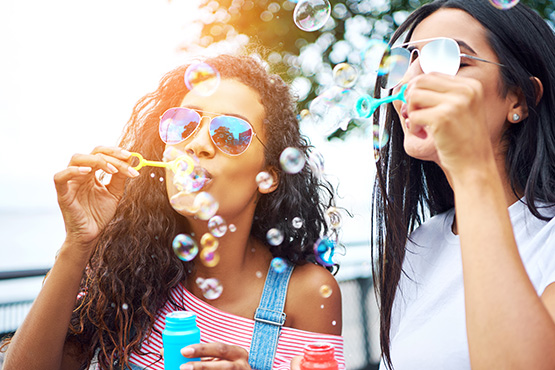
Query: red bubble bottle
x: 319, y: 356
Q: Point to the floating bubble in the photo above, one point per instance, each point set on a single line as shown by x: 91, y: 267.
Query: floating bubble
x: 211, y: 288
x: 345, y: 75
x: 209, y: 241
x: 202, y: 79
x: 334, y: 322
x: 503, y: 4
x: 333, y: 217
x: 372, y: 54
x: 334, y: 108
x: 297, y: 222
x: 191, y: 182
x: 217, y: 226
x: 232, y: 228
x: 380, y: 137
x: 171, y: 153
x: 161, y: 179
x: 316, y: 162
x: 259, y: 274
x: 292, y: 160
x: 279, y: 264
x: 206, y: 205
x: 185, y: 247
x: 209, y: 257
x: 264, y: 180
x: 152, y: 175
x: 325, y: 291
x: 183, y: 201
x: 323, y: 250
x: 311, y: 15
x: 274, y: 236
x: 125, y: 306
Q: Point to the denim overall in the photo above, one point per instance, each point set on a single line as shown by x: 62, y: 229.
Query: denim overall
x: 268, y: 320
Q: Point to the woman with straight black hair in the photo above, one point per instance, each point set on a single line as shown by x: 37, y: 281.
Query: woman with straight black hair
x: 464, y: 202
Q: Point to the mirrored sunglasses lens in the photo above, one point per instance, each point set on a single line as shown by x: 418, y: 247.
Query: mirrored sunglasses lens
x: 232, y: 135
x: 440, y: 56
x: 177, y: 124
x: 393, y: 67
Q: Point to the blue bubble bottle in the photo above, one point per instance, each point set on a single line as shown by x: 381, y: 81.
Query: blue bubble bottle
x: 181, y: 330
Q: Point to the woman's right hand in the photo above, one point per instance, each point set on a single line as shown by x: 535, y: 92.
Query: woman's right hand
x: 87, y: 205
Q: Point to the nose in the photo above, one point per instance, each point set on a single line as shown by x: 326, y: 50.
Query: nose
x: 200, y: 142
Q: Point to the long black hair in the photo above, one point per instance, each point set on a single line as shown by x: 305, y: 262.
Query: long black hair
x: 133, y: 268
x: 408, y: 190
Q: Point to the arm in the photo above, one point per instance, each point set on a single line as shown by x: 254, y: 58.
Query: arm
x: 87, y: 206
x: 508, y: 325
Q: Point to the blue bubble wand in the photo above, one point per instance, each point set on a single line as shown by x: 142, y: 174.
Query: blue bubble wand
x: 367, y: 105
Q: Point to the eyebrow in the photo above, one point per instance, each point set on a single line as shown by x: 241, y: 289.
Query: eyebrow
x: 197, y: 108
x: 463, y: 44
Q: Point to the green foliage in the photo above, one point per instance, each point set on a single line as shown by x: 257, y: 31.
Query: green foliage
x: 309, y: 57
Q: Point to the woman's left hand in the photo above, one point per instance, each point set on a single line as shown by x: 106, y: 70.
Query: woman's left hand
x: 222, y: 356
x: 451, y: 109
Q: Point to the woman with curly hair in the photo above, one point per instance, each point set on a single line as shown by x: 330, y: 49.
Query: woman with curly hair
x: 118, y: 260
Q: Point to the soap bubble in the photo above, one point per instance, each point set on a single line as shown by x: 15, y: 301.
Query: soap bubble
x: 183, y: 201
x: 259, y: 274
x: 334, y: 108
x: 274, y: 236
x: 125, y: 306
x: 316, y: 162
x: 345, y: 75
x: 325, y: 291
x: 279, y: 264
x: 193, y: 182
x: 232, y: 228
x: 217, y: 226
x: 292, y: 160
x: 209, y: 257
x: 211, y: 288
x: 380, y: 137
x: 185, y: 247
x: 297, y: 222
x: 372, y: 54
x: 202, y: 79
x: 206, y: 205
x: 324, y: 250
x: 334, y: 322
x: 209, y: 241
x: 503, y: 4
x: 171, y: 153
x: 311, y: 15
x: 264, y: 180
x: 333, y: 217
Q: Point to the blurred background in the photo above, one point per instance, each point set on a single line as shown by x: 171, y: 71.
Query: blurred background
x: 71, y: 72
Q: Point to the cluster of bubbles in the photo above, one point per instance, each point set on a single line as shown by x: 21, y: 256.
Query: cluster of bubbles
x: 334, y: 107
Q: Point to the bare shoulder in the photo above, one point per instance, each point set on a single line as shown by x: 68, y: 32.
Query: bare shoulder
x: 314, y: 300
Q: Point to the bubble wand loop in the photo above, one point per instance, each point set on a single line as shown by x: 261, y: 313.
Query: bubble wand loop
x: 174, y: 165
x: 367, y: 105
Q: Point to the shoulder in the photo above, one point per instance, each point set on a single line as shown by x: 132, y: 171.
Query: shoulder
x: 313, y: 300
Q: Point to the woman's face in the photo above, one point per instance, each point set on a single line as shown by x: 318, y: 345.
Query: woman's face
x: 232, y: 182
x: 471, y: 36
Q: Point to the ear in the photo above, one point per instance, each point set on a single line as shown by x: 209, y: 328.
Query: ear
x: 275, y: 176
x: 538, y: 86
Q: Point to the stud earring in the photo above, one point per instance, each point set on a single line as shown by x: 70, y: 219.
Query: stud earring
x: 516, y: 117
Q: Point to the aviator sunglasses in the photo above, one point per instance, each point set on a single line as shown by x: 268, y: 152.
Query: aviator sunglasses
x: 232, y: 135
x: 440, y: 54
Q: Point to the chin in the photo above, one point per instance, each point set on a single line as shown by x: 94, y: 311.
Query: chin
x: 423, y: 149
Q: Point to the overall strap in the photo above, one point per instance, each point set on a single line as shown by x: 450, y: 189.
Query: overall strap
x: 269, y: 318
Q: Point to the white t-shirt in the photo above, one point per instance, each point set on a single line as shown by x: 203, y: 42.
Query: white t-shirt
x: 428, y: 325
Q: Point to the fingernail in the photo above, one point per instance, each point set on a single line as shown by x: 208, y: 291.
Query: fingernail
x: 112, y: 168
x: 126, y: 153
x: 133, y: 172
x: 186, y: 367
x: 85, y: 170
x: 187, y: 351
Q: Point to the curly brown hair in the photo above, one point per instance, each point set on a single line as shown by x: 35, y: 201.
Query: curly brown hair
x: 133, y: 268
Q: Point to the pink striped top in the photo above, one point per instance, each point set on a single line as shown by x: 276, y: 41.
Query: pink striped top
x: 219, y: 326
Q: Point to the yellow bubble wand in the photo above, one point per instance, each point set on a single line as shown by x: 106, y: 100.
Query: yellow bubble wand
x: 175, y: 165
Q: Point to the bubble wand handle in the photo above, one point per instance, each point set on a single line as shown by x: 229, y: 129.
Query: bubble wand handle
x: 172, y: 165
x: 367, y: 105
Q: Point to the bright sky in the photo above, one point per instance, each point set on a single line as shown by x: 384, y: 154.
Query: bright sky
x: 70, y: 73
